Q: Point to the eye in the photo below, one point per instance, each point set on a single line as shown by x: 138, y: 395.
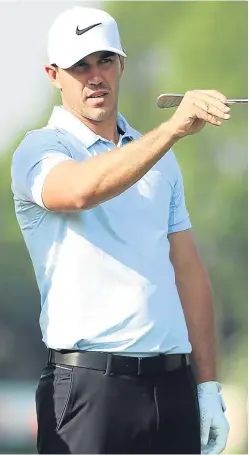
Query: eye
x: 106, y: 61
x: 81, y: 66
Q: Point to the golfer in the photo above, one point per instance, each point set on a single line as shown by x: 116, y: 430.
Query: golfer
x: 125, y: 300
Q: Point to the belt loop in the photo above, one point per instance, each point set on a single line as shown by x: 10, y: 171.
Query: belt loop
x: 49, y: 355
x: 108, y: 365
x: 139, y: 366
x: 184, y: 360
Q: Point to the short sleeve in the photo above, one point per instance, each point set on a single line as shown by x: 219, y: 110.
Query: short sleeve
x: 178, y: 214
x: 37, y: 154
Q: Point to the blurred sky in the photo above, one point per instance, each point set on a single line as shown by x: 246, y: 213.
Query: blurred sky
x: 24, y: 86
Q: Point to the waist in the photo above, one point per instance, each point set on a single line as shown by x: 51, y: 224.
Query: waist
x: 119, y: 364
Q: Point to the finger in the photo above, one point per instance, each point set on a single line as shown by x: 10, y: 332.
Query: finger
x: 218, y: 447
x: 205, y: 428
x: 209, y: 447
x: 217, y: 103
x: 218, y: 442
x: 212, y: 100
x: 207, y: 103
x: 212, y: 109
x: 203, y: 115
x: 204, y: 450
x: 214, y: 93
x: 223, y: 405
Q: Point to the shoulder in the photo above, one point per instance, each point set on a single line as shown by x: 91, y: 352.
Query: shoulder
x: 42, y: 136
x: 40, y: 143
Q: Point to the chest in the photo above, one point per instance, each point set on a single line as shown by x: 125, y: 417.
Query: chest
x: 146, y: 203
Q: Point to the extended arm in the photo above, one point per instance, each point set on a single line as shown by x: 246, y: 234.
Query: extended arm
x: 76, y: 186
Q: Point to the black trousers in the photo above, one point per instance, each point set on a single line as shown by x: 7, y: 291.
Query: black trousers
x: 80, y: 410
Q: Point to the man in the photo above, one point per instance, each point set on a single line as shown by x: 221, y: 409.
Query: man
x: 124, y: 295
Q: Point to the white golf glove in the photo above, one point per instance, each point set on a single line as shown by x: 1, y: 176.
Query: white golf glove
x: 214, y: 425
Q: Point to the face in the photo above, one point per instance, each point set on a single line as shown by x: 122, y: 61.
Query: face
x: 90, y: 87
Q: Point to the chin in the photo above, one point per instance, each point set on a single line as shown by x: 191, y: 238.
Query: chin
x: 98, y: 114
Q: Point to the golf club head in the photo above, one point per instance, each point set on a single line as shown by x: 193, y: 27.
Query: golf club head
x: 167, y: 100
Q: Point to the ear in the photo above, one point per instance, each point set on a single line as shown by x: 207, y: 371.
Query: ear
x: 54, y: 76
x: 121, y: 59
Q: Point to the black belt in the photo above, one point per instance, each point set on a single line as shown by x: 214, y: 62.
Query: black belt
x: 118, y: 364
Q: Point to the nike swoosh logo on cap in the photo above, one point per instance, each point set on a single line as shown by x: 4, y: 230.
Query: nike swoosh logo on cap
x: 84, y: 30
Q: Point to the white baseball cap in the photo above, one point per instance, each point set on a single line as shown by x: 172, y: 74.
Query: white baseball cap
x: 80, y: 31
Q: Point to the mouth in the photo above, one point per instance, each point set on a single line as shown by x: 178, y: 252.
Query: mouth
x: 100, y: 95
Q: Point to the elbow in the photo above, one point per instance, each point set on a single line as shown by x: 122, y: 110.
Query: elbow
x: 84, y: 201
x: 90, y: 196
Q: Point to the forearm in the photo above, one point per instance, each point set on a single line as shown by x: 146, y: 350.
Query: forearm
x: 107, y: 175
x: 196, y: 298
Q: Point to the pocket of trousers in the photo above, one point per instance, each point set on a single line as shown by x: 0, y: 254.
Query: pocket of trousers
x: 53, y: 395
x: 62, y: 394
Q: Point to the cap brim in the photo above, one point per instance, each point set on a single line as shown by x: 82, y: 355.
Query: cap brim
x: 65, y: 64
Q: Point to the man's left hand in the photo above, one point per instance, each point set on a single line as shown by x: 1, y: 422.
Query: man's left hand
x: 214, y: 425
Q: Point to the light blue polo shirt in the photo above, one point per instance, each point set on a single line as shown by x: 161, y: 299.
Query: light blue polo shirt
x: 104, y: 274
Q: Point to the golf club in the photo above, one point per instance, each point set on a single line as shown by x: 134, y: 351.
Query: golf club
x: 166, y: 100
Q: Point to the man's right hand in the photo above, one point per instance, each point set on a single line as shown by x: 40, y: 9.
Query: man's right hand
x: 197, y: 108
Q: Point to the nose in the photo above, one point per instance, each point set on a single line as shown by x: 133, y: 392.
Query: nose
x: 95, y: 77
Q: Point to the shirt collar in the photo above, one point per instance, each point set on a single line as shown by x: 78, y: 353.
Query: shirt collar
x: 61, y: 118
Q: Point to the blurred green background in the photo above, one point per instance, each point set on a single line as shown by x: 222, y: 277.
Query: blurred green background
x: 172, y: 47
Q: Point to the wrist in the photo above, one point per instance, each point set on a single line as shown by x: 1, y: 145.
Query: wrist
x: 168, y: 129
x: 209, y: 387
x: 176, y: 129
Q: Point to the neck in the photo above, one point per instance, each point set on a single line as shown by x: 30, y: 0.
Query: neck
x: 106, y: 129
